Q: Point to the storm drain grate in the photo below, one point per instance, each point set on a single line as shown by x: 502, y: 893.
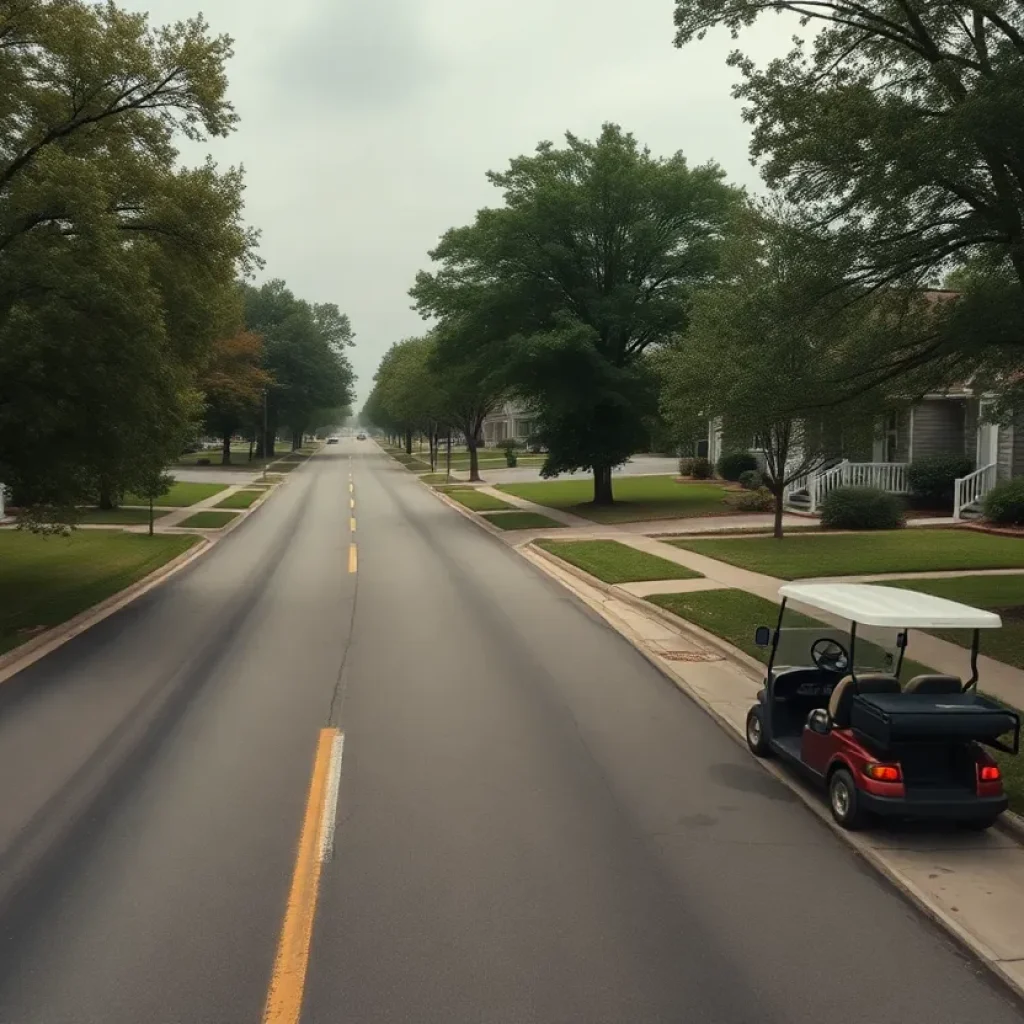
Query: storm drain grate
x: 690, y: 656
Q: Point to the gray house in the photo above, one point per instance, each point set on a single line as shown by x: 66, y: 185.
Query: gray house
x: 952, y: 422
x: 509, y: 421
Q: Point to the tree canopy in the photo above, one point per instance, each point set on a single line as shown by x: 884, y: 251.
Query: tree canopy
x: 592, y: 260
x: 117, y: 264
x: 898, y: 126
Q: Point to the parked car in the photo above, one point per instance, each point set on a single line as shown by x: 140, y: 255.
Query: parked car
x: 332, y: 440
x: 360, y: 437
x: 832, y: 707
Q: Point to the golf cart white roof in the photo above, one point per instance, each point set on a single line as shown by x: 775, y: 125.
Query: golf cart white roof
x: 872, y: 605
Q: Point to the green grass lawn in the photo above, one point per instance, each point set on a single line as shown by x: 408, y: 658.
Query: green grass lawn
x: 1002, y: 594
x: 240, y: 499
x: 523, y: 521
x: 434, y: 478
x: 47, y: 580
x: 282, y: 467
x: 209, y: 519
x: 852, y: 554
x: 179, y: 496
x: 613, y: 562
x: 120, y: 516
x: 477, y: 501
x: 636, y: 498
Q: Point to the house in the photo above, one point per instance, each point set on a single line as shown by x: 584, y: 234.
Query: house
x: 510, y: 420
x: 952, y: 422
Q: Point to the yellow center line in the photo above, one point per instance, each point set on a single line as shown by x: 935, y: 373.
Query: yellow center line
x: 288, y: 981
x: 353, y: 561
x: 352, y: 503
x: 352, y: 524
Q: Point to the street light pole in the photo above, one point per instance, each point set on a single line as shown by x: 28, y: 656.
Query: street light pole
x: 265, y: 455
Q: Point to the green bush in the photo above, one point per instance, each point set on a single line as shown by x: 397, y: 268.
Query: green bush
x: 751, y: 480
x: 931, y: 479
x: 733, y: 465
x: 686, y: 465
x: 1005, y: 503
x: 861, y: 508
x: 701, y: 469
x: 760, y: 500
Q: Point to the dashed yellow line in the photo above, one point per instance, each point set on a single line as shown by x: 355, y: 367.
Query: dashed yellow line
x: 352, y: 524
x: 353, y: 560
x: 351, y: 502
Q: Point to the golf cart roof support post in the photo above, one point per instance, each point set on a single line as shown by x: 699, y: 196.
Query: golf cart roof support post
x: 975, y: 644
x: 901, y: 643
x: 775, y: 638
x: 853, y: 649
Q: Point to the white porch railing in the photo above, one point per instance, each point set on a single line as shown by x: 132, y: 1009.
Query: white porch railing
x: 967, y: 490
x: 886, y: 476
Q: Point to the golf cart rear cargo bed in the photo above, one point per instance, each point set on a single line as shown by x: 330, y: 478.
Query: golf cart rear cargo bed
x: 885, y: 719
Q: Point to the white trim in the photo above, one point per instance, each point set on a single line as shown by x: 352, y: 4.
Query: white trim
x: 872, y: 605
x: 910, y: 437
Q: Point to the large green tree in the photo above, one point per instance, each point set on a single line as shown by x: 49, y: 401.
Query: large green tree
x: 116, y: 263
x: 591, y: 262
x: 306, y: 356
x: 762, y: 357
x: 898, y: 125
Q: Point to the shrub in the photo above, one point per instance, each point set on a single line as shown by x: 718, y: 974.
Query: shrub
x: 760, y: 500
x: 686, y: 465
x: 1005, y: 503
x: 701, y: 469
x: 510, y: 444
x: 751, y: 480
x: 931, y: 479
x: 731, y: 465
x: 861, y: 508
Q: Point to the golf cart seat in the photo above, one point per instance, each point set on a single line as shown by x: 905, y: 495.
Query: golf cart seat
x: 934, y: 685
x: 849, y: 687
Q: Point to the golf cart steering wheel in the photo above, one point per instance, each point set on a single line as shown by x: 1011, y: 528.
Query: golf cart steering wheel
x: 830, y: 655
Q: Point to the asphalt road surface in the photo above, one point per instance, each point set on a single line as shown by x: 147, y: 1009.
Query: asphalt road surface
x: 532, y: 824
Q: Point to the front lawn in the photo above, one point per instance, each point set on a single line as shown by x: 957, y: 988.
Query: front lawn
x: 47, y: 580
x: 208, y: 520
x: 733, y: 615
x: 1002, y: 594
x: 613, y: 562
x: 523, y: 521
x: 240, y: 499
x: 179, y: 496
x: 119, y: 516
x: 477, y: 501
x: 636, y: 498
x: 854, y: 554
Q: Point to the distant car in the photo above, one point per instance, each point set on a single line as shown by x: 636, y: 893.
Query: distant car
x: 360, y: 437
x: 332, y: 440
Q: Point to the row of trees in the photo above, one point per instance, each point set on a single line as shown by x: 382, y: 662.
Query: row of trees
x: 611, y: 289
x: 122, y: 322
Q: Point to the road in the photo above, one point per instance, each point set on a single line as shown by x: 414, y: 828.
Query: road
x: 533, y: 825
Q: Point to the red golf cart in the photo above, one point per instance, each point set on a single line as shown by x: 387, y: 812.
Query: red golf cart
x: 833, y: 707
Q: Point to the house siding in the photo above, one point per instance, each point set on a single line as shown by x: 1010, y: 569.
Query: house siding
x: 1005, y: 467
x: 938, y: 429
x: 971, y: 430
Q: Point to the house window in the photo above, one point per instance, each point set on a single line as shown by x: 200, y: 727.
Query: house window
x: 891, y: 437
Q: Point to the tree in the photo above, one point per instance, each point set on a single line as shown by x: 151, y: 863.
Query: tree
x: 898, y: 125
x: 306, y: 356
x: 592, y: 261
x: 233, y: 386
x: 116, y: 264
x: 759, y: 355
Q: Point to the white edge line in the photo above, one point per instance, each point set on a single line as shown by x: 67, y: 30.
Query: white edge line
x: 329, y: 815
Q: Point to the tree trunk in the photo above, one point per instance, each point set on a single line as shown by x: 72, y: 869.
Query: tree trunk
x: 433, y: 449
x: 225, y: 449
x: 603, y: 486
x: 107, y: 495
x: 252, y: 442
x: 151, y: 517
x: 408, y: 442
x: 448, y: 459
x: 777, y: 531
x: 474, y: 462
x: 296, y: 440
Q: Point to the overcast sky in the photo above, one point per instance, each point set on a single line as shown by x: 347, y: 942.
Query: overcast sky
x: 367, y: 127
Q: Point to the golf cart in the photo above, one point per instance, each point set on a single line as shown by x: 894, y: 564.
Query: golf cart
x: 833, y: 707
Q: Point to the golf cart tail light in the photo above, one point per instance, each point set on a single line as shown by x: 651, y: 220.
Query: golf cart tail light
x: 884, y: 772
x: 989, y: 773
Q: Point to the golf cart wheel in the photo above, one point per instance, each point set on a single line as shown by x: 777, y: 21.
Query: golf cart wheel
x: 978, y: 824
x: 756, y: 739
x: 844, y: 801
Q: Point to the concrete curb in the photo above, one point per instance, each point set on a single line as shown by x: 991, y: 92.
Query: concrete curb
x: 902, y: 884
x: 468, y: 513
